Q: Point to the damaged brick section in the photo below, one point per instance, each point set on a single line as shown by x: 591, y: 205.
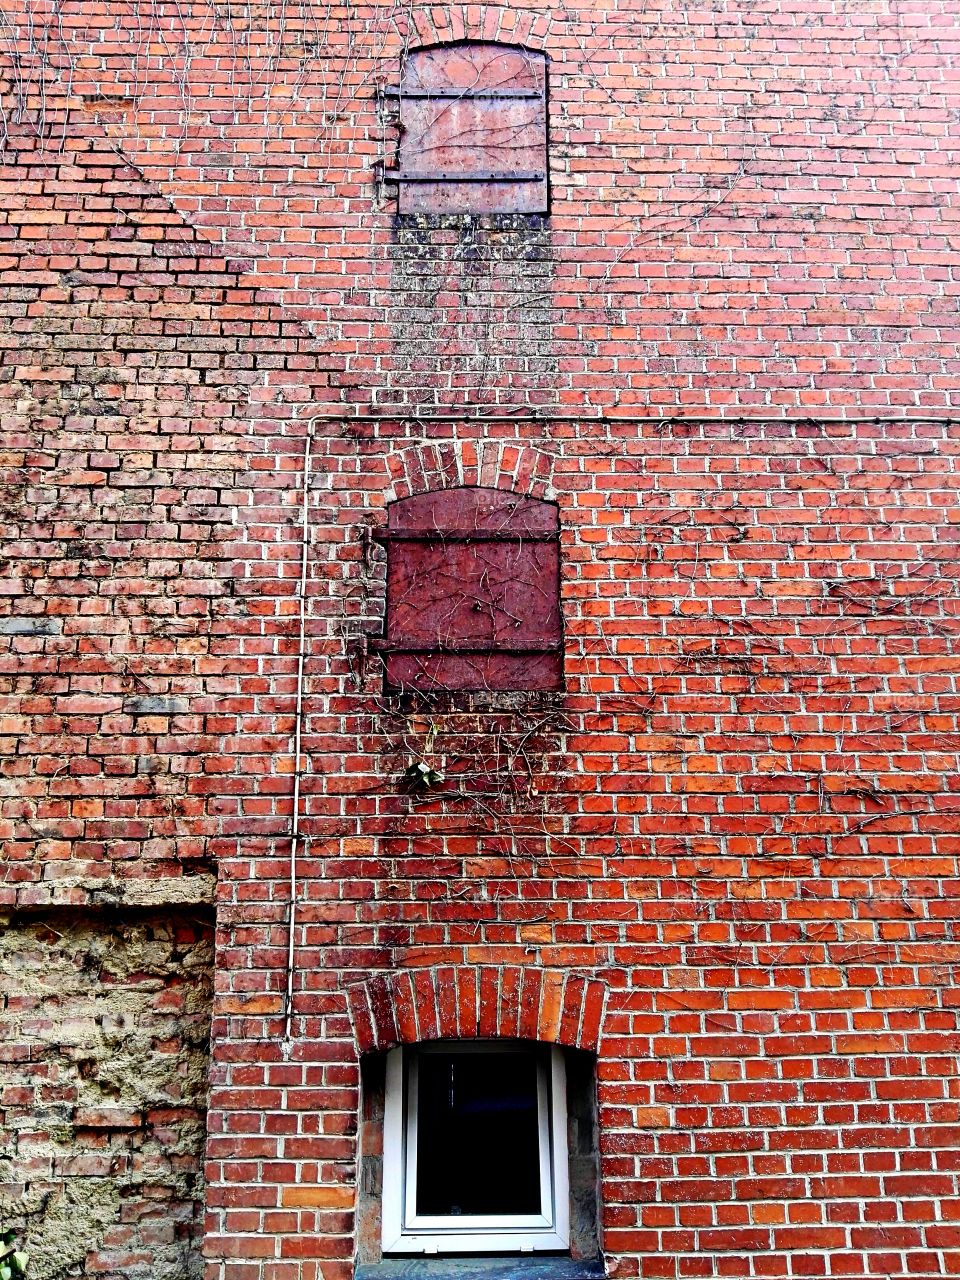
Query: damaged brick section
x: 104, y: 1059
x: 129, y: 360
x: 120, y: 387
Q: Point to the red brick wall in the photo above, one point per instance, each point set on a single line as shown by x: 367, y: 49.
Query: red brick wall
x: 730, y: 355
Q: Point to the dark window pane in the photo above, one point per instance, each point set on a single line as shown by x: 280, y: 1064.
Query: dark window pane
x: 477, y: 1134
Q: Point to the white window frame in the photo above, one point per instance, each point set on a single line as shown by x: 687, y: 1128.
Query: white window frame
x: 404, y: 1231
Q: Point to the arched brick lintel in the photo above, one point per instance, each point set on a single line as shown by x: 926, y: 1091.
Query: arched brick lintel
x: 495, y: 464
x: 464, y: 1002
x: 443, y: 24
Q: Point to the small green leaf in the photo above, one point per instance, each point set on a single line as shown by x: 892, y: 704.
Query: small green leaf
x: 21, y: 1260
x: 6, y: 1272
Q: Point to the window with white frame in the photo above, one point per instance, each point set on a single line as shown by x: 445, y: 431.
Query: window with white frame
x: 475, y: 1154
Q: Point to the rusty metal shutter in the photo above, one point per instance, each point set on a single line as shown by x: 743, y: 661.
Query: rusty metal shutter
x: 473, y: 130
x: 473, y: 592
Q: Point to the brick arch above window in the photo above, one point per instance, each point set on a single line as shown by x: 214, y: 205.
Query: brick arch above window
x: 494, y: 464
x: 452, y: 1002
x: 440, y: 24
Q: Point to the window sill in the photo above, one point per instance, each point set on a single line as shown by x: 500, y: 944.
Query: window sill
x: 461, y: 1267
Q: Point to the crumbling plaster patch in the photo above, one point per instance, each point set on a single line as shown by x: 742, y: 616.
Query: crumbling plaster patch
x: 104, y: 1053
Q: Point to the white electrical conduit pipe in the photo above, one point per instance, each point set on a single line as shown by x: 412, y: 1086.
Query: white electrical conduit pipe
x: 298, y: 735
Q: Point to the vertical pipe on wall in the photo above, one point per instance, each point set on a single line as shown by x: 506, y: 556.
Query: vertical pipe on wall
x: 298, y: 732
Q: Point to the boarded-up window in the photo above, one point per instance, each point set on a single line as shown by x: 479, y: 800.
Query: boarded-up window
x: 473, y: 130
x: 473, y: 592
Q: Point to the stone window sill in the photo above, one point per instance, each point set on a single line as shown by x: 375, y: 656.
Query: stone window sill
x: 461, y: 1267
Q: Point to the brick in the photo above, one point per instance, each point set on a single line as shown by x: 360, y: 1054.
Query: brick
x: 107, y: 1118
x: 156, y: 706
x: 551, y: 1003
x: 30, y: 626
x: 319, y: 1197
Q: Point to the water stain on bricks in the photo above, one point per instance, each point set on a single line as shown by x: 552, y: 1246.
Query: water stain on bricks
x: 471, y: 306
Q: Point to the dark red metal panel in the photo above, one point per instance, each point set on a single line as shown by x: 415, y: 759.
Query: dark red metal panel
x: 471, y: 673
x: 493, y: 594
x: 473, y: 124
x: 473, y: 592
x: 473, y: 510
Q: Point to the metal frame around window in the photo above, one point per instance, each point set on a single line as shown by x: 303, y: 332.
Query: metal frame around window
x: 405, y: 1232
